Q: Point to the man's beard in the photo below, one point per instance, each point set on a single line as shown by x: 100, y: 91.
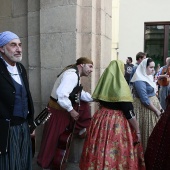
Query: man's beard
x: 12, y: 57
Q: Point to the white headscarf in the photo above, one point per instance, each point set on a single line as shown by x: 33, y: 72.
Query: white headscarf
x: 141, y: 75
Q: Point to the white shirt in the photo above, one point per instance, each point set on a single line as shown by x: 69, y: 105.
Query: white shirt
x: 13, y: 71
x: 64, y: 86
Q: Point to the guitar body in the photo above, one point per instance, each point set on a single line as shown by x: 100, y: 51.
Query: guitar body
x: 163, y: 81
x: 62, y: 151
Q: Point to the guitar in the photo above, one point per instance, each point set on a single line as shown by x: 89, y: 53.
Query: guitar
x: 164, y: 81
x: 40, y: 119
x: 62, y: 152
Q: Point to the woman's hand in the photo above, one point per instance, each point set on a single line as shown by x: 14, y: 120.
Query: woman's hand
x: 162, y: 111
x: 138, y: 139
x: 158, y: 113
x: 134, y: 124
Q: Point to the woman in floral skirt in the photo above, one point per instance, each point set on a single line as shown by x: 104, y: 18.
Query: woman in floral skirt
x: 113, y: 138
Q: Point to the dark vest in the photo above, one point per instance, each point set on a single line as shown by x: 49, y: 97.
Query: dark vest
x: 21, y: 100
x: 77, y: 90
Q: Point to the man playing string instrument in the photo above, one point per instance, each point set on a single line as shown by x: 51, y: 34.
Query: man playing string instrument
x: 61, y: 104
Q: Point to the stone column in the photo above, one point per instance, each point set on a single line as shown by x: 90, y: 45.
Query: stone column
x: 69, y: 30
x: 54, y: 34
x: 93, y: 39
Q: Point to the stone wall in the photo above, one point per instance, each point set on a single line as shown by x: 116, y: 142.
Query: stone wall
x: 54, y: 34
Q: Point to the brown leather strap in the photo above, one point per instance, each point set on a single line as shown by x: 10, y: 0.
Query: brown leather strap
x: 54, y: 105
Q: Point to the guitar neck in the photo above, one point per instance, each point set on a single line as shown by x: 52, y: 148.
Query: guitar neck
x: 40, y: 119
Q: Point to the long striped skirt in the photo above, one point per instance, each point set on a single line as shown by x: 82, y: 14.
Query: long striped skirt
x: 146, y: 118
x: 19, y: 156
x: 110, y: 144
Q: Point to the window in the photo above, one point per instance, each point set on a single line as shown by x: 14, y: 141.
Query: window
x: 157, y: 41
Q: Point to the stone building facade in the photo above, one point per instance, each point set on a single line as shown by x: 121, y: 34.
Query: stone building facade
x: 54, y: 33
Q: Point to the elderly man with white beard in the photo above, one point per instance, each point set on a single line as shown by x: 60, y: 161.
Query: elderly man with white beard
x: 16, y: 106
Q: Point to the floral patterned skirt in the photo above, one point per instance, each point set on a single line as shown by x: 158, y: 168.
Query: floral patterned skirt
x: 110, y: 144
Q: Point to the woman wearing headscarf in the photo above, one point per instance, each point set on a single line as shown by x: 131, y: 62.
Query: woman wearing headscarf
x: 113, y: 136
x: 146, y: 105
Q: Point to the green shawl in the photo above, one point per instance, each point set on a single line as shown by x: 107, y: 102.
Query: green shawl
x: 112, y: 86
